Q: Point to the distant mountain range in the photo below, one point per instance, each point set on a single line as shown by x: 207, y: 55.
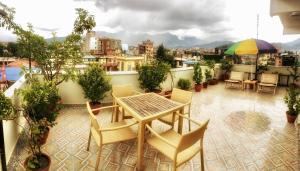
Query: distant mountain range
x: 172, y: 41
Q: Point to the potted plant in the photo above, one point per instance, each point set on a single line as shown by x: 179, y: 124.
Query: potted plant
x: 184, y: 84
x: 94, y: 84
x: 208, y: 77
x: 6, y: 108
x: 226, y: 66
x: 211, y: 66
x: 37, y: 160
x: 294, y: 73
x: 292, y: 100
x: 40, y: 101
x: 197, y: 77
x: 152, y: 75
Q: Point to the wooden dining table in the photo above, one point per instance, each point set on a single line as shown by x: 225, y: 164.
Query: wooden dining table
x: 146, y: 108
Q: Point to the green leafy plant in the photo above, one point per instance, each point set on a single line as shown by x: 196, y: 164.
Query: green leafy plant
x: 208, y: 75
x: 294, y: 73
x: 197, y: 74
x: 211, y: 66
x: 226, y: 65
x: 152, y: 75
x: 94, y: 83
x: 184, y: 84
x: 40, y: 100
x: 6, y: 107
x: 292, y: 100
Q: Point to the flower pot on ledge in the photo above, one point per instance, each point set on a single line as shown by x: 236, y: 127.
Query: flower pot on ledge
x: 205, y: 84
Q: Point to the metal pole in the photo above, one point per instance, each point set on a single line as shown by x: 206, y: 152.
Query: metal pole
x: 2, y: 148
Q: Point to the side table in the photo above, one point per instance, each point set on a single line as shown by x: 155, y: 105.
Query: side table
x: 250, y: 82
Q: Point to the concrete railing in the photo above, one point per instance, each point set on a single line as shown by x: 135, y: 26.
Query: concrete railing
x: 72, y: 93
x: 13, y: 128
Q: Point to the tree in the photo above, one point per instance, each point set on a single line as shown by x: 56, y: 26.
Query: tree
x: 2, y: 48
x: 55, y: 59
x: 163, y: 55
x: 12, y: 47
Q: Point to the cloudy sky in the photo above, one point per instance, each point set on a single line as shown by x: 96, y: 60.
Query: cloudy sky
x: 208, y: 20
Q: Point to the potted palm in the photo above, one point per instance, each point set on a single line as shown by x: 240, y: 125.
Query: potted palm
x: 152, y: 75
x: 292, y: 100
x: 184, y: 84
x: 208, y: 77
x: 197, y: 77
x: 94, y: 84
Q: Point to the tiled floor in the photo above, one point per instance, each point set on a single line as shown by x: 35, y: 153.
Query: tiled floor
x: 247, y: 131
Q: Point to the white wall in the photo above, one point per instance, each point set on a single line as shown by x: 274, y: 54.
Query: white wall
x: 72, y: 93
x: 11, y: 128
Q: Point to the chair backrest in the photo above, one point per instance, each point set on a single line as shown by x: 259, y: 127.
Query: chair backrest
x: 181, y: 96
x: 269, y: 78
x: 192, y: 137
x: 94, y: 123
x: 234, y: 75
x: 122, y: 90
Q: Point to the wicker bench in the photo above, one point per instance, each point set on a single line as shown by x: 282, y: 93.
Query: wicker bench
x: 268, y: 80
x: 236, y: 78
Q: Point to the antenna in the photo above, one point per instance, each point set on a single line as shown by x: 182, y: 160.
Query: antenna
x: 257, y: 24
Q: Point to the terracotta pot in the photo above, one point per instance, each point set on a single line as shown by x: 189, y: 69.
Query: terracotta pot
x: 224, y: 76
x: 45, y: 164
x: 198, y: 87
x: 95, y: 105
x: 168, y: 94
x: 213, y: 82
x: 44, y: 138
x: 290, y: 118
x: 205, y: 84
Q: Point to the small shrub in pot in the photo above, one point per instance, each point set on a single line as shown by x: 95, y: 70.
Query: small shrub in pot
x: 292, y: 101
x: 184, y: 84
x: 197, y: 77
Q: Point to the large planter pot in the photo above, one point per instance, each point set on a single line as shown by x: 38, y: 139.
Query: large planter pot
x: 198, y: 87
x: 290, y: 118
x: 44, y: 138
x: 95, y: 105
x: 205, y: 84
x: 45, y: 163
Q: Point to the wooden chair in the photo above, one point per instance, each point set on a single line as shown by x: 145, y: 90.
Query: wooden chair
x: 268, y: 80
x: 114, y: 132
x: 180, y: 96
x: 123, y: 91
x: 177, y: 147
x: 235, y: 78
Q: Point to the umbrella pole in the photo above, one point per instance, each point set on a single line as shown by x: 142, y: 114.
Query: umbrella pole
x: 256, y: 66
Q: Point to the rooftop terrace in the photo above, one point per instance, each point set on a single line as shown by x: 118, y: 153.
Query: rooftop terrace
x: 247, y: 131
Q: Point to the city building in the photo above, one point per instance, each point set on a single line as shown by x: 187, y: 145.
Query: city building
x: 147, y: 48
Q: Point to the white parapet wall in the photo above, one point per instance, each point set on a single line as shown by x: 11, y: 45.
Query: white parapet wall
x: 13, y: 128
x: 72, y: 93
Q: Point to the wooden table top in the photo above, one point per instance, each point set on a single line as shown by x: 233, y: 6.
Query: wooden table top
x: 148, y: 105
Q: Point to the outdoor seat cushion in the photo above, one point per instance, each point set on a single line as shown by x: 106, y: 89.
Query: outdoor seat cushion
x: 267, y: 84
x: 233, y: 81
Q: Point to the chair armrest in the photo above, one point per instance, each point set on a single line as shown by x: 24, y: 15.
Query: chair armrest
x: 105, y: 107
x: 118, y: 127
x: 160, y: 137
x: 137, y: 92
x: 196, y: 122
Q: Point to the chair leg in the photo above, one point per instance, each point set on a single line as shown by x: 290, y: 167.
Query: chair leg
x: 202, y: 159
x: 89, y: 141
x: 174, y: 166
x: 98, y: 158
x: 189, y: 122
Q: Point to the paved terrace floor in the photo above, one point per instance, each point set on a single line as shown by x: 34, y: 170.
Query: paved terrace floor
x: 247, y: 131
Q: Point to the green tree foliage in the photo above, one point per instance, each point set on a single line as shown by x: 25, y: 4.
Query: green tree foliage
x: 163, y: 55
x: 6, y: 107
x: 152, y: 75
x: 94, y: 83
x: 2, y: 48
x: 12, y: 47
x: 56, y: 60
x: 197, y: 74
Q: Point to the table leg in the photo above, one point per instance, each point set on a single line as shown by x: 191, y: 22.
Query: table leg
x: 180, y: 121
x: 140, y: 146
